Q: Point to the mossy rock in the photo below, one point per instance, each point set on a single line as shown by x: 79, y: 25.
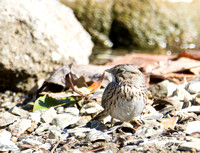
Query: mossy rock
x: 139, y: 24
x: 150, y: 24
x: 96, y: 18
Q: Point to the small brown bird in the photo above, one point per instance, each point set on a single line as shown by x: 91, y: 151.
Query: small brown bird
x: 125, y: 97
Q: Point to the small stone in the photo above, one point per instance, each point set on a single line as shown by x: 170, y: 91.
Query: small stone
x: 95, y: 135
x: 42, y: 128
x: 83, y: 120
x: 54, y: 133
x: 7, y: 118
x: 35, y: 116
x: 150, y: 129
x: 48, y: 115
x: 18, y: 111
x: 60, y: 109
x: 193, y: 127
x: 193, y: 86
x: 91, y: 108
x: 79, y: 132
x: 197, y: 99
x: 20, y: 126
x: 194, y: 144
x: 72, y: 111
x: 163, y: 89
x: 27, y: 151
x: 32, y: 142
x: 98, y: 126
x: 64, y: 120
x: 5, y: 143
x: 182, y: 94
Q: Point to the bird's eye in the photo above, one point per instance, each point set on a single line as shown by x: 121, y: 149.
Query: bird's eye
x: 120, y: 71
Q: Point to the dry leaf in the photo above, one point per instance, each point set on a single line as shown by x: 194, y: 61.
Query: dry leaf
x: 169, y: 123
x: 96, y: 85
x: 192, y: 54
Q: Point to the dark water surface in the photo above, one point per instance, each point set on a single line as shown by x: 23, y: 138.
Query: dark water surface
x: 102, y: 56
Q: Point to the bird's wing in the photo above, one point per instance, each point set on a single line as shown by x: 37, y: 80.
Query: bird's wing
x: 108, y: 94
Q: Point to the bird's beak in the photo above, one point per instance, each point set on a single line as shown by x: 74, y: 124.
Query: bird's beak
x: 109, y: 70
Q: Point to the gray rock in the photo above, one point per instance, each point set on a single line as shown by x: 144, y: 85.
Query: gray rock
x: 72, y: 111
x: 7, y: 118
x: 5, y: 143
x: 42, y: 127
x: 60, y: 109
x: 27, y: 151
x: 79, y: 132
x: 54, y: 133
x: 193, y: 86
x: 98, y: 125
x: 150, y: 129
x: 163, y: 89
x: 64, y: 120
x: 32, y: 142
x: 91, y: 108
x: 182, y: 94
x: 35, y: 116
x: 193, y: 144
x: 20, y: 126
x: 96, y: 135
x: 193, y: 127
x: 36, y: 37
x: 48, y: 115
x: 18, y: 111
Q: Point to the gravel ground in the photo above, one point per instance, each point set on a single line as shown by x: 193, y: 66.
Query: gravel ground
x: 170, y: 123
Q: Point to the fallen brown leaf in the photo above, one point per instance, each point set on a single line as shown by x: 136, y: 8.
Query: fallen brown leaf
x: 96, y: 85
x: 169, y: 123
x: 192, y: 54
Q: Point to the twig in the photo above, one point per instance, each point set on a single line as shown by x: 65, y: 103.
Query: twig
x: 55, y: 147
x: 97, y: 149
x: 72, y: 85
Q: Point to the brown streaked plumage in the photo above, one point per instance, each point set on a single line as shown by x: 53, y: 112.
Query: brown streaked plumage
x: 125, y: 97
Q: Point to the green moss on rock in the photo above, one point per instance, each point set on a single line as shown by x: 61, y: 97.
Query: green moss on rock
x: 95, y: 16
x: 150, y: 24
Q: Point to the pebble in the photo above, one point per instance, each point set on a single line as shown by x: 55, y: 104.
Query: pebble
x: 98, y: 126
x: 48, y: 115
x: 194, y: 144
x: 95, y: 135
x: 79, y: 132
x: 193, y: 86
x: 60, y: 109
x: 72, y: 111
x: 5, y: 143
x: 54, y: 133
x: 151, y: 128
x: 64, y: 120
x: 42, y: 128
x: 7, y: 118
x: 163, y: 89
x: 18, y: 111
x: 91, y: 108
x: 182, y: 94
x: 20, y: 126
x: 35, y: 116
x: 193, y: 127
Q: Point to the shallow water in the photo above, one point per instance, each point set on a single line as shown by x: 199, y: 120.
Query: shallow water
x: 102, y: 56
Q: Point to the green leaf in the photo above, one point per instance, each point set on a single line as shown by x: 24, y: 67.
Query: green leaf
x: 45, y: 102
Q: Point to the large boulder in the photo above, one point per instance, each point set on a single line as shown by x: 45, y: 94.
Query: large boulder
x: 96, y: 17
x: 140, y: 24
x: 36, y: 37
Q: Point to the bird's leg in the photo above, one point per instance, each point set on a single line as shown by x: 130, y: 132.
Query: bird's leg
x: 112, y: 121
